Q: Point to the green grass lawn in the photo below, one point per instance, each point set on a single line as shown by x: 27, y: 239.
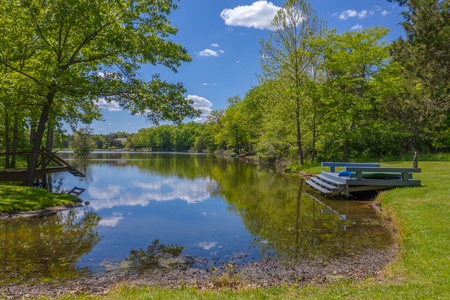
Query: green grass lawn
x: 15, y: 198
x: 422, y: 270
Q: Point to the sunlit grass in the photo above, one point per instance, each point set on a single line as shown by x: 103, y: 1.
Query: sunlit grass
x: 15, y: 198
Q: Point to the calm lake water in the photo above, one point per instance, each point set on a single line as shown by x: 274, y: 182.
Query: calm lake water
x: 216, y: 209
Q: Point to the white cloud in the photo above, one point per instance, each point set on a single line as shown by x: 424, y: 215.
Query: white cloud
x: 111, y: 106
x: 208, y: 52
x: 384, y: 13
x: 362, y: 14
x: 258, y: 15
x: 349, y: 13
x: 215, y: 45
x: 357, y: 27
x: 110, y: 75
x: 201, y: 103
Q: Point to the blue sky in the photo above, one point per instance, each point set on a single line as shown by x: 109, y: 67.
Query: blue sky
x: 222, y: 36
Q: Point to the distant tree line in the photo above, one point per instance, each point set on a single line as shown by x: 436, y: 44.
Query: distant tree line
x: 182, y: 137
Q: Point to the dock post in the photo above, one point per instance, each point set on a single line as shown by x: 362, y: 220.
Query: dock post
x: 415, y: 164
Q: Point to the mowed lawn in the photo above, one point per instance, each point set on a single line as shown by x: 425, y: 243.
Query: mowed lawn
x: 15, y: 198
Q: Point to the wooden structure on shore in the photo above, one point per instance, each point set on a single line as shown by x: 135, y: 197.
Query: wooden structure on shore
x: 358, y: 177
x: 49, y: 162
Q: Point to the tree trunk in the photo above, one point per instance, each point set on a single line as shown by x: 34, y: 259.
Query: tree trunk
x: 50, y: 137
x: 299, y: 133
x: 237, y: 143
x: 15, y: 141
x: 37, y: 142
x: 314, y: 133
x: 7, y: 139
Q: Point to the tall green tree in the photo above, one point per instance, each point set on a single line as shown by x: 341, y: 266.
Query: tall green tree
x: 424, y: 53
x: 350, y: 61
x: 73, y: 53
x: 425, y: 58
x: 214, y: 129
x: 285, y: 56
x: 83, y: 142
x: 233, y: 130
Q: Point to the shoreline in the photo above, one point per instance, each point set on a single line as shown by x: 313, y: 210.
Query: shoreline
x: 257, y: 274
x: 39, y: 212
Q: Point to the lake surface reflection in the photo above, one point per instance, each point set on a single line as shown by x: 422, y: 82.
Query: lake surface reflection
x: 216, y: 209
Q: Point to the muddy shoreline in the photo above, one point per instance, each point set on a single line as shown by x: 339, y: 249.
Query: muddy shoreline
x: 269, y: 273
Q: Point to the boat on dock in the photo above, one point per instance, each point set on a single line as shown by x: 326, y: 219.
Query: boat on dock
x: 358, y: 177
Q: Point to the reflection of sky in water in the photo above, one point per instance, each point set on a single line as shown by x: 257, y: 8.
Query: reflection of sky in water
x: 129, y: 187
x: 147, y: 197
x: 141, y: 193
x: 138, y: 207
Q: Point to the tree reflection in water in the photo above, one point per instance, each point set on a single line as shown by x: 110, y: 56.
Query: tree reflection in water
x: 284, y: 221
x: 290, y: 225
x: 46, y: 247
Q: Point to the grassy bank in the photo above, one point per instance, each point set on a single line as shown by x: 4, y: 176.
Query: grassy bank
x: 15, y: 198
x: 421, y: 271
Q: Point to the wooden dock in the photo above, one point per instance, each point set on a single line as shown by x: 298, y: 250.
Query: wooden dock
x: 49, y: 163
x: 358, y: 177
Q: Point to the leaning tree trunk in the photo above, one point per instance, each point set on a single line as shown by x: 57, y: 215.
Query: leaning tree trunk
x: 50, y: 137
x: 37, y: 141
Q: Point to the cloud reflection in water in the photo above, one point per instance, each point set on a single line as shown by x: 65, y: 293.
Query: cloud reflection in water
x: 207, y: 245
x: 111, y: 221
x: 141, y: 193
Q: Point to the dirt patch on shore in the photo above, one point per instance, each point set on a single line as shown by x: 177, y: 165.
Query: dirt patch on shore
x: 211, y: 275
x: 38, y: 213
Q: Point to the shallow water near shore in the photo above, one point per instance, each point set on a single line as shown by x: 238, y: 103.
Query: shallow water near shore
x: 217, y: 210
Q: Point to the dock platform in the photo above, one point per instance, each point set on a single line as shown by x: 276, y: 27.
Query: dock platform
x: 358, y: 177
x: 49, y: 163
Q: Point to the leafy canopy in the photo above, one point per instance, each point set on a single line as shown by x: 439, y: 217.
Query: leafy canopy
x: 86, y: 50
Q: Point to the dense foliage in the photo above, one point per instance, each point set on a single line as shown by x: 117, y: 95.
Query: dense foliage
x: 59, y: 59
x: 348, y: 96
x: 323, y: 95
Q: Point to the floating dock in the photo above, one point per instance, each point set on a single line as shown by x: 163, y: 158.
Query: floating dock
x: 357, y: 177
